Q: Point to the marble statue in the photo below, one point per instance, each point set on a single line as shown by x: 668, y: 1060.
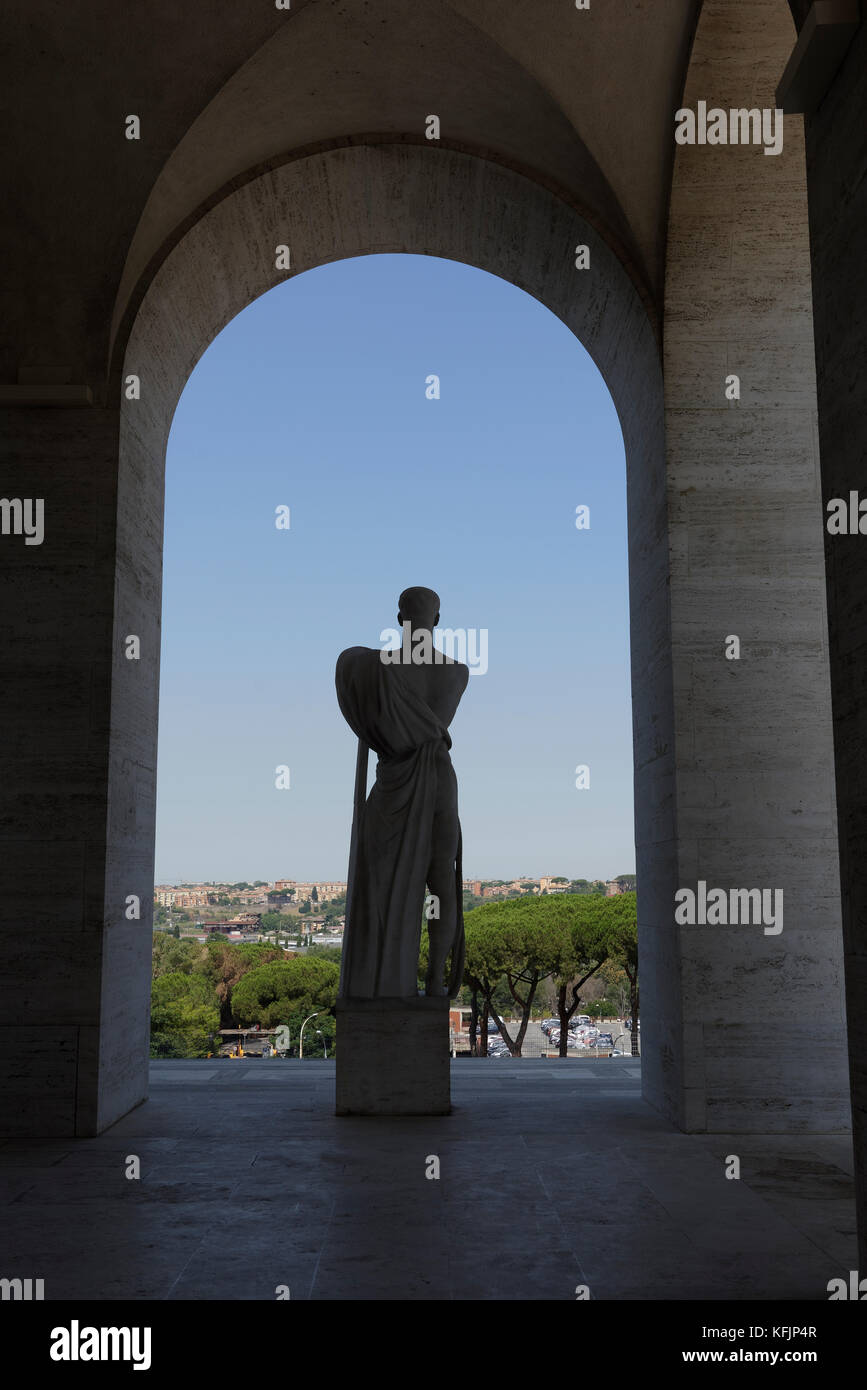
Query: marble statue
x: 406, y: 835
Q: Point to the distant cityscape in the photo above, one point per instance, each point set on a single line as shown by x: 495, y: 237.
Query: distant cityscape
x: 307, y: 911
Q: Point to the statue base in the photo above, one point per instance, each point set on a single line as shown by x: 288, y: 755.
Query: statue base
x: 393, y: 1056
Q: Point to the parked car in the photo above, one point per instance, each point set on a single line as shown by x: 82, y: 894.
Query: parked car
x: 583, y: 1018
x: 604, y: 1040
x: 628, y: 1025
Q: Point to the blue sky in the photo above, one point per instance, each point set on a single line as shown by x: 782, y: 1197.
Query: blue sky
x: 315, y: 398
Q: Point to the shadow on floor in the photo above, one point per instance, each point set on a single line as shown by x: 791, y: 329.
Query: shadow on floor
x: 551, y: 1175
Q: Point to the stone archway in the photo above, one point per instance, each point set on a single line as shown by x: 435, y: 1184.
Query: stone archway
x: 324, y: 207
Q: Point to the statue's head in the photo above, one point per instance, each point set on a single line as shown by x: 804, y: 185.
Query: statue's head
x: 420, y: 607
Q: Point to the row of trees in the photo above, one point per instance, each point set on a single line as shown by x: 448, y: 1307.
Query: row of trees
x: 566, y: 938
x: 513, y: 946
x: 199, y: 988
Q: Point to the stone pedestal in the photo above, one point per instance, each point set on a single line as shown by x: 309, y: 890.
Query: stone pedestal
x: 393, y: 1057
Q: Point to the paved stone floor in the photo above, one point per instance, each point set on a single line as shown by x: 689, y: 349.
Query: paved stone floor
x: 553, y: 1174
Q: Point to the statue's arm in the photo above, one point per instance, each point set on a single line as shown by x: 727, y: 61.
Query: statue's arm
x: 462, y: 676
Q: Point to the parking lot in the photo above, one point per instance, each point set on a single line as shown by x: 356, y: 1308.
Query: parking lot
x: 586, y: 1043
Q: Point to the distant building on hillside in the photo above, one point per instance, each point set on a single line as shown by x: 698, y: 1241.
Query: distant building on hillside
x: 550, y: 885
x: 167, y: 896
x: 246, y: 923
x: 249, y: 896
x: 624, y: 884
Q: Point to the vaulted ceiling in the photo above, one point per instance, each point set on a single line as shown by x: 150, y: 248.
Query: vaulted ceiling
x: 581, y: 100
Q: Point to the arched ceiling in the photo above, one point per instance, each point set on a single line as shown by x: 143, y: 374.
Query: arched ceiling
x: 580, y: 100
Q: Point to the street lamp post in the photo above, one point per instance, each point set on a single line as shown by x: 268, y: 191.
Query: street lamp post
x: 324, y: 1043
x: 301, y: 1037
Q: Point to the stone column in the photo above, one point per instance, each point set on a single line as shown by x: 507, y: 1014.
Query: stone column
x: 746, y: 1030
x: 73, y: 1020
x: 837, y: 181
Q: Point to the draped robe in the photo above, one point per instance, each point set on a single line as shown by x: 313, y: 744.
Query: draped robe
x: 391, y: 847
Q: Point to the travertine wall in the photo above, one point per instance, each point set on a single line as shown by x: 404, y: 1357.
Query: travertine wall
x: 56, y: 637
x: 759, y: 1020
